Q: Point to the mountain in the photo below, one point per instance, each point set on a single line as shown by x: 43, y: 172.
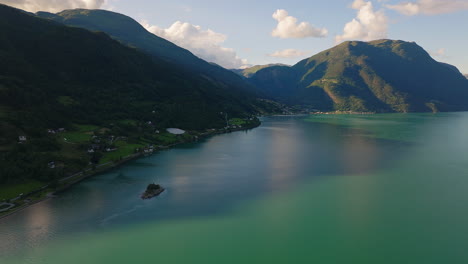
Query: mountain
x: 466, y: 76
x: 55, y: 76
x: 130, y: 32
x: 379, y: 76
x: 249, y: 72
x: 48, y: 60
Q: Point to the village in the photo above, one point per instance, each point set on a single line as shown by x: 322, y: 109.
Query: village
x: 90, y: 149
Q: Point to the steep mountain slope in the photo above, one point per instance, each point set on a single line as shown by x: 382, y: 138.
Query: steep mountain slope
x: 130, y: 32
x: 381, y: 76
x: 466, y: 76
x: 49, y: 60
x: 249, y: 72
x: 54, y: 76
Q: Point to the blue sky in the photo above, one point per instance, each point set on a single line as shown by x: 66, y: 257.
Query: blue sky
x: 248, y: 25
x: 236, y: 33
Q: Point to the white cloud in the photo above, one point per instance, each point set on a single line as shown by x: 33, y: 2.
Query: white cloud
x: 429, y: 7
x: 288, y: 27
x: 409, y: 9
x: 440, y: 53
x: 53, y: 5
x: 358, y: 4
x: 368, y: 25
x: 287, y: 53
x: 206, y: 44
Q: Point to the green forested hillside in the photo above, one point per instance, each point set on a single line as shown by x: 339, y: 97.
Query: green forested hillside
x: 380, y: 76
x: 53, y: 76
x: 130, y: 32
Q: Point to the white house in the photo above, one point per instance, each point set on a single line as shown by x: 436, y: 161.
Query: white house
x: 51, y: 165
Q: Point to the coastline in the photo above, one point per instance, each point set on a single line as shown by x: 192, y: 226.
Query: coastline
x: 88, y: 173
x: 343, y: 113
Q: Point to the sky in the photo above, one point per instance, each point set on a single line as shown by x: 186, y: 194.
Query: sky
x: 240, y: 33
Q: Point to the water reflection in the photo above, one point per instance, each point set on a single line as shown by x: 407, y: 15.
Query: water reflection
x: 360, y: 154
x: 208, y: 178
x: 282, y: 157
x: 38, y: 223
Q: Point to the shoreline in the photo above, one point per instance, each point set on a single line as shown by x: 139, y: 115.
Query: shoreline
x: 343, y: 113
x: 112, y: 165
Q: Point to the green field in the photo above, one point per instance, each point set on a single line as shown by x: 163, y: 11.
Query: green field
x: 124, y: 149
x: 76, y: 137
x: 237, y: 122
x: 81, y: 135
x: 10, y: 191
x: 166, y: 138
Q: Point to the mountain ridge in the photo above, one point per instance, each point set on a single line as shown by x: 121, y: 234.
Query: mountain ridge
x: 378, y: 76
x: 127, y: 30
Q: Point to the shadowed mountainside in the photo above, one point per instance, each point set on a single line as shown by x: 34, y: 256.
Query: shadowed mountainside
x: 55, y: 76
x: 130, y: 32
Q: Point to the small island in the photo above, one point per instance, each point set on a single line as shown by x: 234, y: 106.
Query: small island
x: 152, y: 190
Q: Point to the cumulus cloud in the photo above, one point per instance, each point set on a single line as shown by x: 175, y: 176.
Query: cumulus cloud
x: 368, y: 24
x: 53, y: 5
x: 206, y: 44
x: 358, y: 4
x: 287, y: 53
x: 429, y: 7
x: 288, y: 27
x: 440, y: 53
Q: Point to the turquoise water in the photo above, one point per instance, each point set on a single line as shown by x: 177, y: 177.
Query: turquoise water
x: 318, y: 189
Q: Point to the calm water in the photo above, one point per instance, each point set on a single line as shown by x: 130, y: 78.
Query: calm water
x: 319, y: 189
